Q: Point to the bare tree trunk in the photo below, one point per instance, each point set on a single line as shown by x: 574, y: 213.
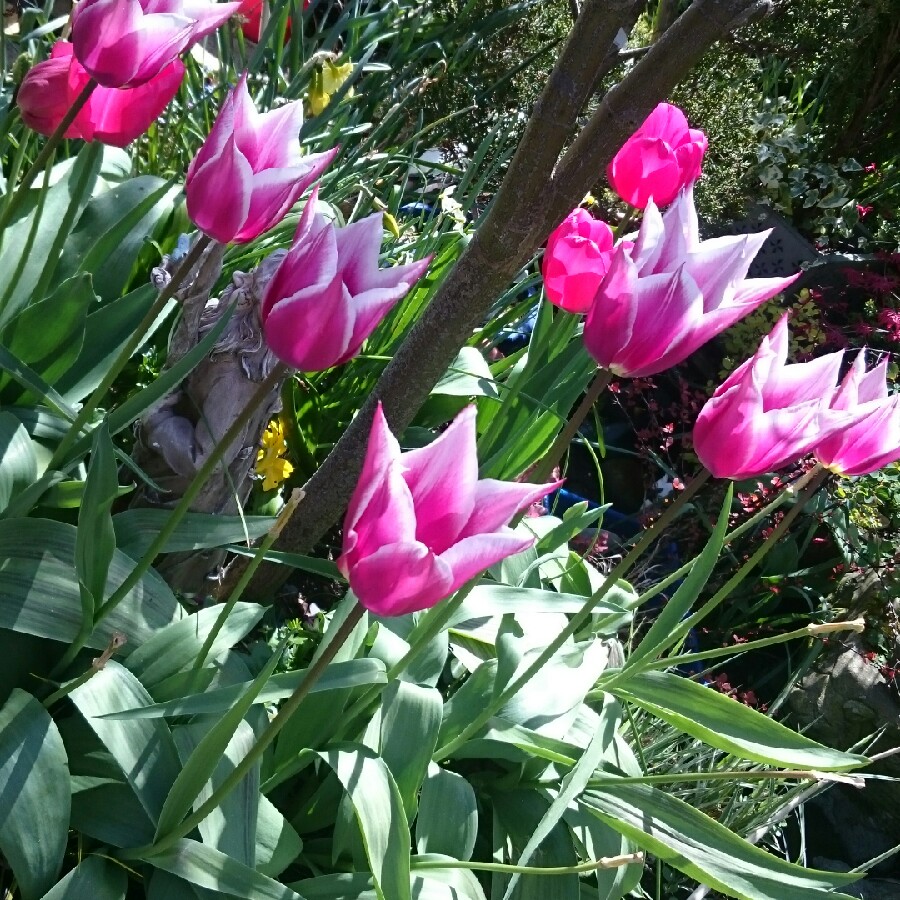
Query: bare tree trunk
x: 538, y: 191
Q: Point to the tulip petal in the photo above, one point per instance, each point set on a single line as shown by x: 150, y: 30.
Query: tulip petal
x: 272, y: 194
x: 281, y: 130
x: 442, y: 479
x: 208, y: 16
x: 401, y: 578
x: 477, y: 553
x: 218, y: 213
x: 496, y: 502
x: 359, y: 245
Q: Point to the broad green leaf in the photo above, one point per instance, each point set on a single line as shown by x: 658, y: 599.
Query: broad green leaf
x: 572, y: 784
x: 277, y: 843
x: 231, y: 826
x: 379, y: 810
x: 520, y: 812
x: 500, y: 599
x: 163, y: 886
x: 429, y: 884
x: 105, y: 332
x: 113, y: 228
x: 136, y: 529
x: 722, y: 722
x: 48, y: 335
x: 199, y: 768
x: 34, y: 794
x: 94, y: 878
x: 338, y: 676
x: 110, y: 812
x: 469, y: 375
x: 175, y: 647
x: 666, y: 629
x: 208, y: 868
x: 39, y: 594
x: 95, y: 542
x: 704, y: 850
x: 32, y: 382
x: 574, y: 521
x: 447, y: 822
x: 430, y: 880
x: 18, y: 463
x: 32, y: 244
x: 324, y: 567
x: 142, y: 748
x: 410, y: 719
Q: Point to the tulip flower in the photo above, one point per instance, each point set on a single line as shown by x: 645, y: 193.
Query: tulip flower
x: 870, y: 437
x: 576, y: 259
x: 421, y: 524
x: 328, y: 294
x: 658, y: 160
x: 667, y: 295
x: 250, y: 170
x: 767, y: 413
x: 110, y: 116
x: 124, y: 43
x: 251, y: 12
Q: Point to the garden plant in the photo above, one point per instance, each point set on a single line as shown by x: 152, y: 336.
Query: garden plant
x: 305, y: 311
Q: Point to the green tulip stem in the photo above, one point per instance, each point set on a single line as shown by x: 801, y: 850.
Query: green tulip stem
x: 579, y: 619
x: 46, y: 153
x: 605, y: 862
x: 159, y: 542
x: 167, y: 293
x: 274, y: 532
x: 237, y: 774
x: 551, y: 459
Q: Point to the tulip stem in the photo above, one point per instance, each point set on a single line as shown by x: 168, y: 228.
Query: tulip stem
x: 550, y: 461
x: 231, y: 781
x: 46, y: 153
x: 158, y: 544
x: 167, y: 293
x: 578, y: 620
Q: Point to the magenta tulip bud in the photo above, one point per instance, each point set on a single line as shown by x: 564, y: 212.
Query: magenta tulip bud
x: 421, y: 524
x: 124, y: 43
x: 658, y: 160
x: 111, y: 115
x: 576, y: 259
x: 870, y: 437
x: 667, y: 295
x: 250, y: 170
x: 328, y: 295
x: 766, y: 413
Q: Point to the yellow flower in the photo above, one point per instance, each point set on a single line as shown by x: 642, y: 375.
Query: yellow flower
x: 325, y: 82
x: 270, y: 462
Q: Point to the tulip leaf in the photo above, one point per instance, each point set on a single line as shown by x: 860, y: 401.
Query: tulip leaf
x: 142, y: 748
x: 39, y: 596
x: 31, y: 381
x: 48, y: 335
x: 447, y: 822
x: 207, y: 868
x: 704, y: 850
x: 110, y: 812
x: 722, y: 722
x: 175, y: 647
x: 379, y: 810
x: 338, y: 676
x: 94, y: 878
x: 34, y: 794
x: 136, y: 529
x: 18, y: 462
x: 469, y: 375
x: 32, y: 245
x: 277, y: 843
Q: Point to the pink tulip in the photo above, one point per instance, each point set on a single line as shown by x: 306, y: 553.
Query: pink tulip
x: 124, y: 43
x: 870, y: 437
x: 250, y: 171
x: 111, y: 115
x: 421, y: 524
x: 661, y: 157
x: 576, y: 259
x: 766, y: 413
x: 667, y: 295
x: 328, y: 294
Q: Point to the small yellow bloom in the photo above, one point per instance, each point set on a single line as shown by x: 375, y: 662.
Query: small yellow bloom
x: 325, y: 82
x: 270, y: 461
